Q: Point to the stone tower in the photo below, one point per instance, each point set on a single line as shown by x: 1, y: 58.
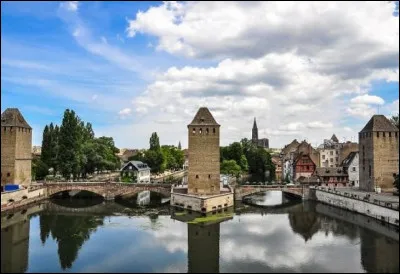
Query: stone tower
x: 16, y: 148
x: 379, y: 153
x: 203, y: 175
x: 254, y: 133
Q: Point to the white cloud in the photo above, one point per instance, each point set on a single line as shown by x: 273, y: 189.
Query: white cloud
x: 319, y: 124
x: 367, y: 99
x: 70, y: 5
x: 124, y: 112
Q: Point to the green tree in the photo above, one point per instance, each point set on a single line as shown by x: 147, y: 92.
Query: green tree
x: 243, y: 163
x: 154, y: 142
x: 230, y: 167
x: 46, y: 150
x: 39, y: 169
x: 395, y: 120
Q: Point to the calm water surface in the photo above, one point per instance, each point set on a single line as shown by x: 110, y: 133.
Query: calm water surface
x: 304, y: 237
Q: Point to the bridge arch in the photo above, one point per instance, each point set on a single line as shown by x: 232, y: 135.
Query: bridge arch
x: 51, y: 191
x: 164, y: 191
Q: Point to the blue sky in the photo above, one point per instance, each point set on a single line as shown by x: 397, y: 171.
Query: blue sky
x: 132, y: 68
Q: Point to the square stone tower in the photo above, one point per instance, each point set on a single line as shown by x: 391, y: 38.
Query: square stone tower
x: 378, y: 153
x: 204, y: 165
x: 16, y: 148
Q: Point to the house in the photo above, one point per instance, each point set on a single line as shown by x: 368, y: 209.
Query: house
x: 278, y: 167
x: 331, y: 176
x: 303, y: 166
x: 351, y: 166
x: 136, y: 172
x: 332, y: 152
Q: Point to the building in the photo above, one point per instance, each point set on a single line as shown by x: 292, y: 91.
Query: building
x: 138, y: 171
x: 304, y: 166
x: 16, y: 148
x: 276, y: 160
x: 351, y: 167
x: 36, y: 151
x: 331, y: 176
x: 379, y: 153
x: 332, y: 152
x: 125, y: 153
x: 287, y: 157
x: 186, y: 162
x: 203, y: 193
x: 264, y: 143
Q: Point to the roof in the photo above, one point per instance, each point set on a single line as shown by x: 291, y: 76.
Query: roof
x: 137, y: 164
x: 334, y: 138
x: 301, y: 155
x: 379, y: 123
x: 12, y: 117
x: 347, y: 161
x: 203, y: 117
x: 255, y: 123
x: 329, y: 171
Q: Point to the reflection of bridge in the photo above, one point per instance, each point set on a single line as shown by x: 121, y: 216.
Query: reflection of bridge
x: 246, y: 190
x: 108, y: 190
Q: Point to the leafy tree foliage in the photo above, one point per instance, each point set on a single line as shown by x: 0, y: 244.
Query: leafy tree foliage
x: 395, y: 120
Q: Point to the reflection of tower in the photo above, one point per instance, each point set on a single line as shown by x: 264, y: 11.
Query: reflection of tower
x: 14, y: 247
x: 379, y: 254
x: 203, y: 248
x: 304, y: 223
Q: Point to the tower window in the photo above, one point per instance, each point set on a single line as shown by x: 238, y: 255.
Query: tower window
x: 369, y: 171
x: 8, y: 174
x: 207, y: 131
x: 209, y: 176
x: 200, y: 131
x: 395, y: 134
x: 213, y: 130
x: 197, y: 176
x: 390, y: 134
x: 377, y: 134
x: 194, y: 131
x: 383, y: 134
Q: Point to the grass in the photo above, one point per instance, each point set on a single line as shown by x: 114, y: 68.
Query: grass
x: 211, y: 218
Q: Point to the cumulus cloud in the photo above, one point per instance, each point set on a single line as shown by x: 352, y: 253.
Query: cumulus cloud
x: 293, y: 75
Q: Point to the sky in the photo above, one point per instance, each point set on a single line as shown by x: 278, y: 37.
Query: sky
x: 304, y: 70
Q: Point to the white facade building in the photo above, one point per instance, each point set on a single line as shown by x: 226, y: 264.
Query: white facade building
x: 351, y: 166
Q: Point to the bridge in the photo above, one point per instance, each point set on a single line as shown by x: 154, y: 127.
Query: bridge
x: 108, y: 190
x: 246, y: 190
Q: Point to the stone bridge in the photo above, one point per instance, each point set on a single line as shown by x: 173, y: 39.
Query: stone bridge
x: 108, y: 190
x: 246, y: 190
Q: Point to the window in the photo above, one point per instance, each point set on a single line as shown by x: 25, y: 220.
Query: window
x: 331, y: 152
x: 200, y: 131
x: 369, y: 171
x: 331, y: 160
x: 354, y: 168
x: 337, y: 152
x: 209, y: 176
x: 8, y: 174
x: 395, y: 134
x: 197, y: 176
x: 194, y: 131
x: 377, y: 134
x: 207, y: 131
x: 383, y: 134
x: 323, y: 157
x: 337, y: 159
x: 213, y: 130
x: 390, y: 134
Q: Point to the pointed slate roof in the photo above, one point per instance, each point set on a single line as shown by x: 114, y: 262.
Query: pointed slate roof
x: 334, y: 138
x: 255, y: 123
x: 379, y: 123
x: 347, y: 161
x: 12, y: 117
x: 203, y: 117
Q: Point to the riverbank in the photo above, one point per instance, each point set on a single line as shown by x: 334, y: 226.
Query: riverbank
x: 378, y: 206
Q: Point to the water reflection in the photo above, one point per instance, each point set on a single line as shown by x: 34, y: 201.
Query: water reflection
x: 305, y: 237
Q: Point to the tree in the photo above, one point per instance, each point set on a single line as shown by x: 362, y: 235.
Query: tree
x: 243, y: 163
x: 230, y: 167
x: 154, y: 142
x: 39, y: 169
x: 46, y: 150
x: 395, y: 120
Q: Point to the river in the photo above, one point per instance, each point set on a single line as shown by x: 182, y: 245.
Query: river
x: 300, y: 237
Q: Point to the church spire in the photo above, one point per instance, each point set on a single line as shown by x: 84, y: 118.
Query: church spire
x: 254, y: 135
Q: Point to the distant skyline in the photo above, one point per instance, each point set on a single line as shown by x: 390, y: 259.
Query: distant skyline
x: 305, y: 70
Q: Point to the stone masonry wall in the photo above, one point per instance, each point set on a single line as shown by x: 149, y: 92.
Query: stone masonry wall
x: 366, y: 156
x: 372, y: 210
x: 386, y: 159
x: 204, y: 173
x: 8, y: 139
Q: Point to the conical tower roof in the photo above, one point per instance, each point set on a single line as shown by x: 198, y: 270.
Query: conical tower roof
x: 203, y: 118
x: 12, y: 117
x: 334, y: 138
